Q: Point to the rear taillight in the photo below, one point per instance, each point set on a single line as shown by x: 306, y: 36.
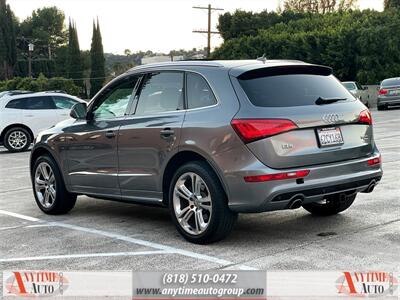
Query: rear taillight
x: 251, y: 130
x: 277, y: 176
x: 365, y: 117
x: 375, y: 161
x: 383, y: 92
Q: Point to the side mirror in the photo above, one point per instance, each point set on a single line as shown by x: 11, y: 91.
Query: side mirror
x: 79, y: 111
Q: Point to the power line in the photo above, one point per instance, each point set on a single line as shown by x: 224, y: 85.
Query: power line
x: 208, y: 31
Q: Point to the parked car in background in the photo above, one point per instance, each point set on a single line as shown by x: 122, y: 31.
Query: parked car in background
x: 358, y: 91
x: 389, y: 93
x: 209, y: 140
x: 24, y: 114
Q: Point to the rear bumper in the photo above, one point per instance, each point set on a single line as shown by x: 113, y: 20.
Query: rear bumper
x: 388, y: 101
x: 340, y: 177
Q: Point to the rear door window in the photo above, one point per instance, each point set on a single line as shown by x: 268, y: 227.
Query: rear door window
x: 161, y: 92
x: 292, y: 89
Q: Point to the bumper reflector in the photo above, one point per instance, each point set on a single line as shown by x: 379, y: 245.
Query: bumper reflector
x: 277, y: 176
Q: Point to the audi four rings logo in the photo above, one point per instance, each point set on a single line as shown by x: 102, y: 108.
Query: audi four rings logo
x: 331, y: 118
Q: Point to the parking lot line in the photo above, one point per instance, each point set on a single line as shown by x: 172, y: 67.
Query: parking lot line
x: 19, y: 216
x: 166, y: 249
x: 84, y: 255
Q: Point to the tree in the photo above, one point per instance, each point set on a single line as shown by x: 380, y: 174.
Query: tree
x: 97, y: 61
x: 392, y: 4
x: 74, y: 59
x: 7, y: 41
x: 318, y: 6
x: 46, y: 29
x: 350, y: 42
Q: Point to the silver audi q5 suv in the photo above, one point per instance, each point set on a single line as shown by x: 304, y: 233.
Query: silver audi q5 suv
x: 209, y: 140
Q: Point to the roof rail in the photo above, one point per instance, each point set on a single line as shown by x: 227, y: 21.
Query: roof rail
x: 56, y: 91
x: 18, y: 92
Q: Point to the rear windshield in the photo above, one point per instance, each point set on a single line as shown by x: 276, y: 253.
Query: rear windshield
x: 391, y: 82
x: 293, y: 90
x: 349, y: 85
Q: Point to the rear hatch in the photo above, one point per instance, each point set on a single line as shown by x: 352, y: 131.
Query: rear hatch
x: 300, y: 115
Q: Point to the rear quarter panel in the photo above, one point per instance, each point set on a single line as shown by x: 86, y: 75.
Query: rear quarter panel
x: 207, y: 131
x: 9, y: 116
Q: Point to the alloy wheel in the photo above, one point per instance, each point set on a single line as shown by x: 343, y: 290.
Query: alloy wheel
x: 45, y: 185
x: 192, y: 203
x: 17, y: 139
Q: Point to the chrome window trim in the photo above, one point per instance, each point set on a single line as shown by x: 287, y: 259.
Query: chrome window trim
x: 144, y: 72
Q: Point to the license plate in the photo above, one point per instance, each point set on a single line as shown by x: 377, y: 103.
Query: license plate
x: 393, y: 92
x: 329, y: 137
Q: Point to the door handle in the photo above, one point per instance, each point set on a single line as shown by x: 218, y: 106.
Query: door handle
x: 110, y: 134
x: 167, y: 132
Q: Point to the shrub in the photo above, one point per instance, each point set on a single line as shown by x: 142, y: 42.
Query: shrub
x: 40, y: 84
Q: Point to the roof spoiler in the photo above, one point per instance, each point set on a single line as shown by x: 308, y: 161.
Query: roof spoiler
x: 286, y: 70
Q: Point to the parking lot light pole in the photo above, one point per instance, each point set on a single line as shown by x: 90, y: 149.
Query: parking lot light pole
x: 30, y: 50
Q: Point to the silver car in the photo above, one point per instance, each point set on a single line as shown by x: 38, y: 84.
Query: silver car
x: 211, y: 139
x: 389, y: 93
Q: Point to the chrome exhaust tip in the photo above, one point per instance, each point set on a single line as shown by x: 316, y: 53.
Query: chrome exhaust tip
x: 296, y: 203
x: 370, y: 188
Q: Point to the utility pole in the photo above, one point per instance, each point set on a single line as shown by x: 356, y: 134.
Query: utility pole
x: 208, y: 31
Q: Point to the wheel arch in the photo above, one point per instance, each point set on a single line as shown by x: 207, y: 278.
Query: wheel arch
x: 181, y: 158
x: 40, y: 150
x: 3, y: 133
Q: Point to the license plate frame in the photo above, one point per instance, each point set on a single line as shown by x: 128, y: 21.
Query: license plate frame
x: 329, y: 137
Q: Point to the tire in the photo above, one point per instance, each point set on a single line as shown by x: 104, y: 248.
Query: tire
x: 381, y: 107
x: 333, y: 205
x: 17, y: 139
x: 60, y: 203
x: 213, y: 224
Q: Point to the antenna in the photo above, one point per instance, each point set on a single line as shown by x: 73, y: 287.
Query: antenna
x: 262, y: 58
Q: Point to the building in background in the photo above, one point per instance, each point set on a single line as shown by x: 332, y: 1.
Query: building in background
x: 161, y: 58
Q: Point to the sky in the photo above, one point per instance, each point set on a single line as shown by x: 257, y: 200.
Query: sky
x: 157, y: 25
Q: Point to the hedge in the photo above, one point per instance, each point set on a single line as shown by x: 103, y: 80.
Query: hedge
x: 42, y: 83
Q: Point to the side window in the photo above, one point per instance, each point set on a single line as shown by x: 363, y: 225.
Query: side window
x: 35, y: 103
x: 114, y: 102
x: 63, y: 102
x: 17, y: 103
x: 161, y: 92
x: 199, y: 93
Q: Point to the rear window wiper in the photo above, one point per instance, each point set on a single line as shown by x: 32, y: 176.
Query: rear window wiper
x: 323, y: 101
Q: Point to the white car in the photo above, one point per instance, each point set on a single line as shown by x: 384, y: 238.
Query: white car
x: 24, y: 115
x: 359, y: 91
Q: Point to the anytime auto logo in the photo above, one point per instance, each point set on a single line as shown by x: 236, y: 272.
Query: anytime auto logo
x: 36, y: 283
x: 367, y: 284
